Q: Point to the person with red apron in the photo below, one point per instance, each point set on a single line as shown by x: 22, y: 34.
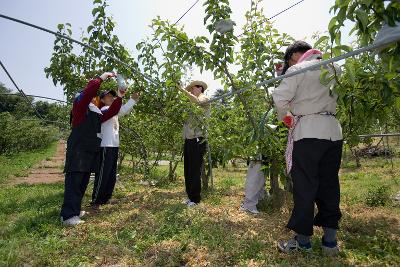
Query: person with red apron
x: 314, y: 149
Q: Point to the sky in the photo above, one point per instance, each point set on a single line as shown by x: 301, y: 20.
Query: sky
x: 26, y: 51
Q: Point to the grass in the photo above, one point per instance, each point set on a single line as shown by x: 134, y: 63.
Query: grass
x: 19, y: 164
x: 148, y: 226
x: 374, y: 172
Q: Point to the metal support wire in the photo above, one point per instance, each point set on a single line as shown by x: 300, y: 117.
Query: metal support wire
x: 274, y: 16
x: 81, y: 44
x: 356, y: 52
x: 36, y: 96
x: 21, y: 91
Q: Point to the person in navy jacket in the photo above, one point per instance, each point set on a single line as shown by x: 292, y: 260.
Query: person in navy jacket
x: 83, y: 147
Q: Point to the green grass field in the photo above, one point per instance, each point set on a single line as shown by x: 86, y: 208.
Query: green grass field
x: 148, y: 226
x: 19, y: 164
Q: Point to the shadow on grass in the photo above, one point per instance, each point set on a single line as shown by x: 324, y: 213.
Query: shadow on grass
x: 376, y: 237
x: 153, y: 226
x: 32, y: 209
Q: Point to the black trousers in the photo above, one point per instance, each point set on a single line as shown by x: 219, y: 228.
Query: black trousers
x: 105, y: 179
x: 193, y: 152
x: 75, y: 187
x: 315, y: 169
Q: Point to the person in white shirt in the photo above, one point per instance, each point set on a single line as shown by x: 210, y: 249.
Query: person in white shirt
x: 105, y: 179
x: 314, y: 150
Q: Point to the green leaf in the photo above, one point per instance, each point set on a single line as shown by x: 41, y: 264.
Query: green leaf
x: 263, y: 121
x: 95, y: 10
x: 362, y: 17
x: 344, y: 48
x: 60, y: 26
x: 206, y: 18
x: 351, y: 72
x: 398, y: 102
x: 336, y: 51
x: 338, y: 38
x: 391, y: 75
x: 332, y: 27
x: 320, y: 40
x: 324, y: 78
x: 367, y: 2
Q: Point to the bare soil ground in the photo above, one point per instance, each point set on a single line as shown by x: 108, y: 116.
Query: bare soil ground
x: 47, y: 171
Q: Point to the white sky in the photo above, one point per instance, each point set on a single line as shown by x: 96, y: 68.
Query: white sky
x: 26, y: 51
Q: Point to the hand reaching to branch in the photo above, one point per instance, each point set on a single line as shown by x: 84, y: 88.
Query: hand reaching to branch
x: 107, y: 75
x: 135, y: 96
x: 121, y: 93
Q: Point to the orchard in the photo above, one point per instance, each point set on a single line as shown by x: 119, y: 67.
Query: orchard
x: 147, y: 225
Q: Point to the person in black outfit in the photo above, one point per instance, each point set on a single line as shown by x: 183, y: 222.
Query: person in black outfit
x: 83, y: 147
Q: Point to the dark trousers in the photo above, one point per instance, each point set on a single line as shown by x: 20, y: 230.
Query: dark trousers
x: 75, y: 187
x: 105, y: 179
x: 315, y: 177
x: 193, y: 152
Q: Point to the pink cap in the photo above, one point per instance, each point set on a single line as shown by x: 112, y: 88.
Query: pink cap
x: 308, y: 54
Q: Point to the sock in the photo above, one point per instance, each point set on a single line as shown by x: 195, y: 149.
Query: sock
x: 303, y: 239
x: 329, y: 234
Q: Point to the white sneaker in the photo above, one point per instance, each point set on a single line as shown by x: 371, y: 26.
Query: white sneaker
x: 252, y: 211
x: 191, y: 204
x: 186, y: 201
x: 73, y: 221
x: 82, y: 214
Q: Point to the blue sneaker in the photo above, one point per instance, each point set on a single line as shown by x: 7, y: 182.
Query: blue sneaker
x: 293, y: 245
x: 330, y: 248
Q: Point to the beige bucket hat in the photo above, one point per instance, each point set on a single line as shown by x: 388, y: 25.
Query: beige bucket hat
x: 200, y: 83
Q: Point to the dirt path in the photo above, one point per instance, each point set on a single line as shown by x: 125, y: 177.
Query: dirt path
x: 47, y: 171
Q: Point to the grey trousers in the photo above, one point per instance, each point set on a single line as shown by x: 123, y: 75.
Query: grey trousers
x: 255, y: 186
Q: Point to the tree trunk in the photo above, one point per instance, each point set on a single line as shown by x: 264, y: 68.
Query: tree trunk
x: 289, y: 184
x: 345, y: 156
x: 171, y: 177
x: 204, y: 176
x: 121, y: 157
x: 172, y: 168
x: 274, y: 177
x: 173, y: 165
x: 356, y: 157
x: 277, y: 194
x: 133, y: 165
x: 146, y: 165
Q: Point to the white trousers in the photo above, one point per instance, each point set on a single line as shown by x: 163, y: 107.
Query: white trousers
x: 255, y: 185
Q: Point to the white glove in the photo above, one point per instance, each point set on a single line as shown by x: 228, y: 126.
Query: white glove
x: 121, y: 82
x: 121, y: 93
x: 107, y: 75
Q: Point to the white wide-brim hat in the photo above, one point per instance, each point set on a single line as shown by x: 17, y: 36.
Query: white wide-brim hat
x: 200, y: 83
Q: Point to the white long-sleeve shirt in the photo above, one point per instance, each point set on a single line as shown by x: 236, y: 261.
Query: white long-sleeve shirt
x: 110, y: 128
x: 304, y: 95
